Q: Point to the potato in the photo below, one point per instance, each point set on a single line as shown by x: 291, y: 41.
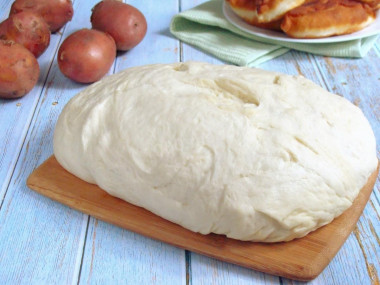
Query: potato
x: 86, y: 55
x: 28, y: 29
x: 123, y: 22
x: 19, y: 70
x: 56, y: 13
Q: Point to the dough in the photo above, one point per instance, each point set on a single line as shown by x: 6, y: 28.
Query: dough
x: 251, y: 154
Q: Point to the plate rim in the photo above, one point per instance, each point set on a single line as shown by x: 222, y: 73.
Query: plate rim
x: 239, y: 23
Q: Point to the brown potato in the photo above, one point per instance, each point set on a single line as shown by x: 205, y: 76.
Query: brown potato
x: 86, y: 55
x: 56, y: 13
x: 28, y: 29
x: 123, y: 22
x: 19, y: 70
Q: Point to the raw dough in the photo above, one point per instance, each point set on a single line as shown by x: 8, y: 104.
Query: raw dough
x: 251, y: 154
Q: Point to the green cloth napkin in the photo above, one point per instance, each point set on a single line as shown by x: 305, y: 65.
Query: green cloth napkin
x: 206, y: 28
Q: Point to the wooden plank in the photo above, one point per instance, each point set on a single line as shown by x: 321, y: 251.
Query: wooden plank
x: 208, y: 270
x: 354, y: 261
x: 40, y: 240
x: 377, y: 46
x: 354, y: 79
x: 37, y: 254
x: 357, y: 260
x: 301, y: 259
x: 351, y: 263
x: 16, y: 115
x: 114, y: 255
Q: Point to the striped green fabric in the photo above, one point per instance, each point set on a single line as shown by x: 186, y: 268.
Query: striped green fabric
x: 206, y: 28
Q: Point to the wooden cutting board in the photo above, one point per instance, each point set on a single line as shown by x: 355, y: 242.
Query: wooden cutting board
x: 301, y: 259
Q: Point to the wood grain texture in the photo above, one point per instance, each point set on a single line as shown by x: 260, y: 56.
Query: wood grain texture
x: 16, y: 115
x: 43, y: 242
x: 39, y: 240
x: 354, y: 80
x: 301, y: 259
x: 358, y: 260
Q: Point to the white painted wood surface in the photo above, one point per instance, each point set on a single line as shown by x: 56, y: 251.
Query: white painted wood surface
x: 44, y: 242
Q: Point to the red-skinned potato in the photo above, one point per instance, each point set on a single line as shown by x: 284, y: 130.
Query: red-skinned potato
x: 19, y: 70
x: 56, y: 13
x: 123, y: 22
x: 28, y: 29
x: 86, y: 55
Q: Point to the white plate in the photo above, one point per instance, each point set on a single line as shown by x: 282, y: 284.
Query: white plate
x: 371, y: 30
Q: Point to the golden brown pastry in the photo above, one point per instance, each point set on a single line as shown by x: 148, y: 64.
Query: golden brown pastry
x: 273, y: 10
x: 374, y: 4
x: 247, y: 10
x: 324, y: 18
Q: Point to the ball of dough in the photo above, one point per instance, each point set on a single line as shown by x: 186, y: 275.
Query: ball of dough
x: 250, y: 154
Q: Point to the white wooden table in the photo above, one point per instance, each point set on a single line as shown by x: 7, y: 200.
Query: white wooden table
x: 44, y: 242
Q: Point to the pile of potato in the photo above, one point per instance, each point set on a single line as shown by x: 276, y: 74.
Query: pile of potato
x: 84, y: 56
x: 87, y: 55
x: 25, y: 35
